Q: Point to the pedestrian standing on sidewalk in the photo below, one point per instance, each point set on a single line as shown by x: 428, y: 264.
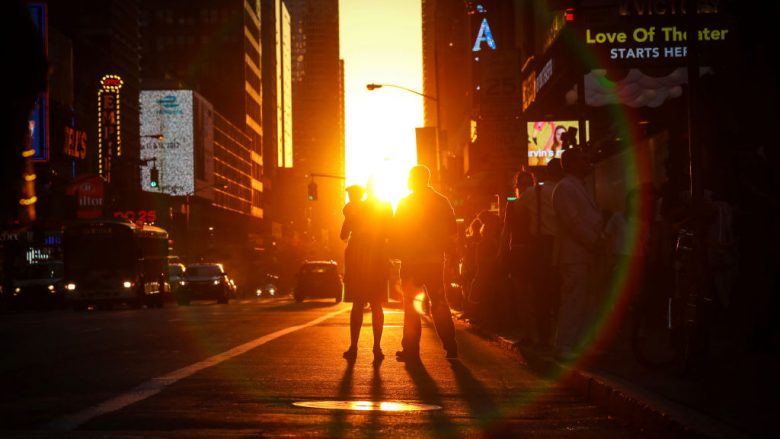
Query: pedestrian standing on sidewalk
x: 580, y: 238
x: 486, y: 289
x: 544, y: 280
x: 366, y: 264
x: 514, y: 254
x: 424, y: 237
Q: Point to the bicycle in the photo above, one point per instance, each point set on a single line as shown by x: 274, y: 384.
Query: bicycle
x: 671, y: 326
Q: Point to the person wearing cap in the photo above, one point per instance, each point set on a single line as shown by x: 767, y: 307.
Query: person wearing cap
x: 424, y: 236
x: 366, y: 262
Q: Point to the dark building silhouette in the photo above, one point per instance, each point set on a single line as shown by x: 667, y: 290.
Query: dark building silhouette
x: 87, y: 41
x: 472, y: 65
x: 318, y: 103
x: 214, y: 48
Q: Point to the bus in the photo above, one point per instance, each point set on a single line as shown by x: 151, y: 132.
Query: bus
x: 110, y: 262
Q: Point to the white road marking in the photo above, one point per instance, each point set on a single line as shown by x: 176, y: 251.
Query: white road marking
x: 155, y: 385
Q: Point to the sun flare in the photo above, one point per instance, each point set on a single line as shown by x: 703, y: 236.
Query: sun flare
x: 381, y: 145
x: 380, y: 124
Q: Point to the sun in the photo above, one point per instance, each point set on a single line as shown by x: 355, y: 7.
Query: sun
x: 381, y: 143
x: 389, y: 182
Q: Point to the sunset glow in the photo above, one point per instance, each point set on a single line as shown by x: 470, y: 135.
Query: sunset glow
x: 381, y: 43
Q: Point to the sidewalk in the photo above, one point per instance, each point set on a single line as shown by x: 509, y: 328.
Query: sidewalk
x: 735, y: 396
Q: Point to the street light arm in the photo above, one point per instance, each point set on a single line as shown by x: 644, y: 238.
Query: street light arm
x: 373, y: 86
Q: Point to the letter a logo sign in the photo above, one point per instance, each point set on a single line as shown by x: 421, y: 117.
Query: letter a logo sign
x: 484, y: 35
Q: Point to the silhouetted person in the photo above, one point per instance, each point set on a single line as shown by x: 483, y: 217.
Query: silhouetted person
x: 544, y: 279
x: 25, y: 79
x: 424, y: 234
x: 515, y: 254
x: 580, y: 227
x: 366, y: 264
x: 486, y: 289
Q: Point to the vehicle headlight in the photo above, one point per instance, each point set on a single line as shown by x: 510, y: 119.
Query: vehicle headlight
x: 70, y: 287
x: 271, y: 291
x: 181, y: 282
x: 127, y: 284
x: 259, y: 292
x: 216, y: 282
x: 51, y: 288
x: 17, y: 290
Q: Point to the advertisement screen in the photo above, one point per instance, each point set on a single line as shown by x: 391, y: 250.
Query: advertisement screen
x: 545, y: 140
x: 167, y: 141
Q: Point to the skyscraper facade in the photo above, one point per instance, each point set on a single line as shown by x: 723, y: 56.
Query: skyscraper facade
x: 317, y: 92
x: 213, y: 48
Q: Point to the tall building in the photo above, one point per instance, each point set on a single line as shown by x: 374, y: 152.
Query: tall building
x: 447, y: 77
x: 213, y: 48
x: 471, y: 64
x: 277, y: 103
x: 318, y: 118
x: 93, y: 47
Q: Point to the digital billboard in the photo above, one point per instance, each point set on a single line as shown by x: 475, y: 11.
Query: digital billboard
x: 167, y: 141
x: 545, y: 140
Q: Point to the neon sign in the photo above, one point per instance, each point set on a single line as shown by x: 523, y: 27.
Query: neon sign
x: 109, y: 133
x: 484, y: 35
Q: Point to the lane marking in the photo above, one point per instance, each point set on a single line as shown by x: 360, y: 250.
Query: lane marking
x: 155, y: 385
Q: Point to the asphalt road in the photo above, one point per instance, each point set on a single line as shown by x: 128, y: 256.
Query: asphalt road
x: 237, y: 370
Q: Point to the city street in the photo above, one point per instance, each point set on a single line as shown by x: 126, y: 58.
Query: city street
x: 238, y: 370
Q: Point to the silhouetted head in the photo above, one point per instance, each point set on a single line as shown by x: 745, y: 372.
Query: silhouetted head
x: 575, y: 162
x: 355, y: 192
x: 524, y: 179
x: 554, y: 169
x: 419, y: 177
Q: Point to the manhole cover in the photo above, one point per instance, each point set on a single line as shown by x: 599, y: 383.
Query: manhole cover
x: 381, y: 406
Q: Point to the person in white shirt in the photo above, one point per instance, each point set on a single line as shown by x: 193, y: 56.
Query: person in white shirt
x: 579, y: 236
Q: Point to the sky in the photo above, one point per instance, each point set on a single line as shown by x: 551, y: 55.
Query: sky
x: 381, y: 42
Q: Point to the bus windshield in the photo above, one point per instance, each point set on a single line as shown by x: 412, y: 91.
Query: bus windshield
x: 99, y: 248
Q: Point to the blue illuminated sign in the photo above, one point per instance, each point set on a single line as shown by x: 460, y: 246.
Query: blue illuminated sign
x: 39, y: 118
x: 484, y: 35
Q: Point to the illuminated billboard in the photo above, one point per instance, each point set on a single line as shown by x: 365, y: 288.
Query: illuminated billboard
x: 545, y: 140
x: 175, y: 125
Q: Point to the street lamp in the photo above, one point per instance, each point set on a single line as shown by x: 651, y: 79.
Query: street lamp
x: 374, y: 86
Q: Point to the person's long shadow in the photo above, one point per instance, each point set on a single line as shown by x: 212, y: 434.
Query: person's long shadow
x: 477, y: 397
x: 338, y: 425
x: 377, y: 394
x: 429, y: 393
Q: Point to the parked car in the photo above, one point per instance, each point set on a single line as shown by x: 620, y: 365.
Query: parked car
x: 38, y: 285
x: 318, y: 280
x: 205, y: 281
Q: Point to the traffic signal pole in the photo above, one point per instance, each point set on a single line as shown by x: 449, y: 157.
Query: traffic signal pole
x: 312, y: 188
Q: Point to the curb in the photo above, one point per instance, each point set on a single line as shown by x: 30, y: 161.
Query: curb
x: 621, y: 398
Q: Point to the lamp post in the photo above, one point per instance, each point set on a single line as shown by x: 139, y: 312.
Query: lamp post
x: 373, y: 86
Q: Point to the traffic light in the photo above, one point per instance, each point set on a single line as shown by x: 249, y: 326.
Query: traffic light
x: 154, y: 177
x: 312, y: 191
